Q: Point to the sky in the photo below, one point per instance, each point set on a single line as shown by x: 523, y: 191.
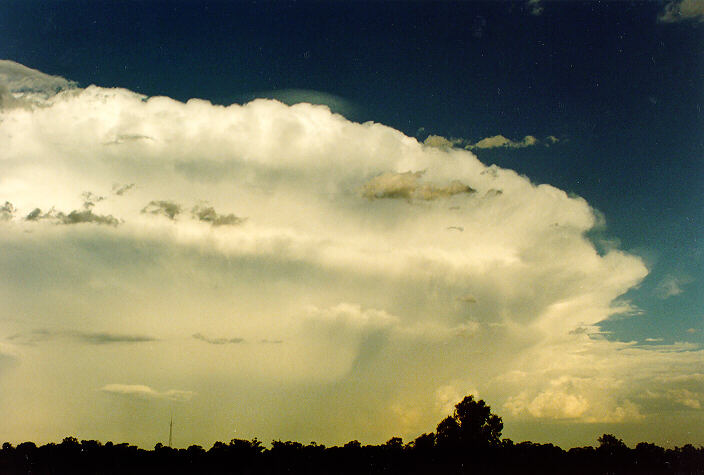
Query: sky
x: 332, y: 221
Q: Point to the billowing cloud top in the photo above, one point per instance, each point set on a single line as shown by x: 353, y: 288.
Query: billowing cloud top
x: 267, y: 222
x: 20, y: 85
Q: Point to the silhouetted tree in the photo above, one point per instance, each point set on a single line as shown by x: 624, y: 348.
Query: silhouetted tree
x: 353, y: 444
x: 472, y: 425
x: 649, y: 457
x: 423, y: 443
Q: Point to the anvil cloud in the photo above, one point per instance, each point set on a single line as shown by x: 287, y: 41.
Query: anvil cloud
x: 266, y: 222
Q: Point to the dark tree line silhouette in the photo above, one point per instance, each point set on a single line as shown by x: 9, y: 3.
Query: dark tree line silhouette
x: 466, y: 442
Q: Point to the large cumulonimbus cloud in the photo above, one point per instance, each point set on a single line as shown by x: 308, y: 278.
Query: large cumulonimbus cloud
x: 395, y: 273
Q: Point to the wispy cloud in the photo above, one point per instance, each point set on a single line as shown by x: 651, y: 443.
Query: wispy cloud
x: 7, y: 211
x: 86, y: 216
x: 671, y: 286
x: 77, y: 216
x: 120, y: 190
x: 122, y: 138
x: 207, y: 214
x: 164, y: 208
x: 73, y: 217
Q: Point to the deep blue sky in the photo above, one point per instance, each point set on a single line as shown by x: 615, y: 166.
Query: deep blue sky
x: 623, y: 92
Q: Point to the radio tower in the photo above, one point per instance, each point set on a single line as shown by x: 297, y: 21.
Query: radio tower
x: 171, y: 429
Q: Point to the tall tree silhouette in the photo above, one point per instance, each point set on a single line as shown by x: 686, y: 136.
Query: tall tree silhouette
x: 472, y: 425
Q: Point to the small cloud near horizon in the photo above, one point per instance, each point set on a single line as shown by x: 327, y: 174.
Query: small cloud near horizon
x: 94, y: 338
x: 143, y: 392
x: 217, y: 341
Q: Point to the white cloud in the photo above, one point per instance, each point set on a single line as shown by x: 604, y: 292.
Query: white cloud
x: 337, y: 104
x: 378, y: 302
x: 448, y: 395
x: 682, y: 10
x: 550, y: 403
x: 141, y: 391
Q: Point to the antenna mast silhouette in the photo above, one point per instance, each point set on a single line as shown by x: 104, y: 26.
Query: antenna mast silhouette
x: 171, y: 429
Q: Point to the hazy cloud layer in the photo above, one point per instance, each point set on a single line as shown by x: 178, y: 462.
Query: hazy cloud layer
x: 398, y: 274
